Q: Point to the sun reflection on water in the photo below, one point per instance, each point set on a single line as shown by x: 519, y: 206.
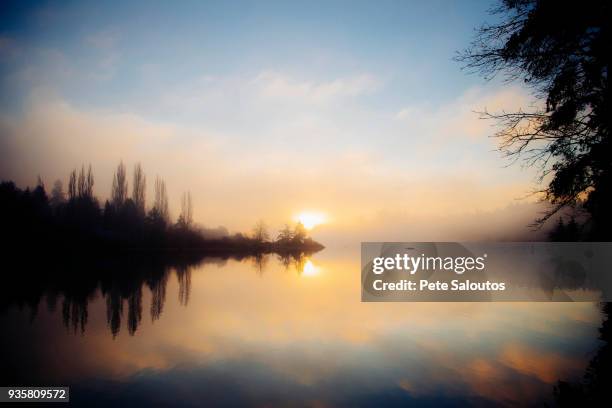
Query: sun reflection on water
x: 310, y: 269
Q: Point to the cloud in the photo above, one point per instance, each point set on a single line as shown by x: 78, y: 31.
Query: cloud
x: 52, y: 137
x: 277, y: 85
x: 104, y: 45
x: 257, y: 98
x: 282, y: 145
x: 459, y: 118
x: 363, y: 195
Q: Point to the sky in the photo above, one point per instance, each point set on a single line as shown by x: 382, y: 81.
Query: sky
x: 264, y: 110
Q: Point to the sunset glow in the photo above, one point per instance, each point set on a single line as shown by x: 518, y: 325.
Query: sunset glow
x: 311, y: 219
x: 321, y: 203
x: 310, y: 269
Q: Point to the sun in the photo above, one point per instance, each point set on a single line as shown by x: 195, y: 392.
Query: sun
x: 311, y: 219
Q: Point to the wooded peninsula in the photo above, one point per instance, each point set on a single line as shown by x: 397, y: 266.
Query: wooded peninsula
x: 77, y: 221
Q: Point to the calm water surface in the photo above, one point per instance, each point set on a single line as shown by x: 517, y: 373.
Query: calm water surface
x: 273, y: 332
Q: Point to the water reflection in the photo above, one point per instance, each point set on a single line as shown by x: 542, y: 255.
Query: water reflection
x: 593, y: 389
x: 120, y: 283
x: 283, y: 332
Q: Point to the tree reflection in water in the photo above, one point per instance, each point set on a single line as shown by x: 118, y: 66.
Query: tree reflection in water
x: 119, y: 280
x: 594, y: 388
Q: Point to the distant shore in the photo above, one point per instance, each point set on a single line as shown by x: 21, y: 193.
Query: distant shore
x: 79, y: 225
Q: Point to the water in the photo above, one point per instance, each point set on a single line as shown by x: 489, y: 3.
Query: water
x: 283, y: 333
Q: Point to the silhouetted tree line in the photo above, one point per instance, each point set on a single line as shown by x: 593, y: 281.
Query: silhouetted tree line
x: 33, y: 219
x: 55, y: 241
x: 567, y: 232
x: 561, y: 50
